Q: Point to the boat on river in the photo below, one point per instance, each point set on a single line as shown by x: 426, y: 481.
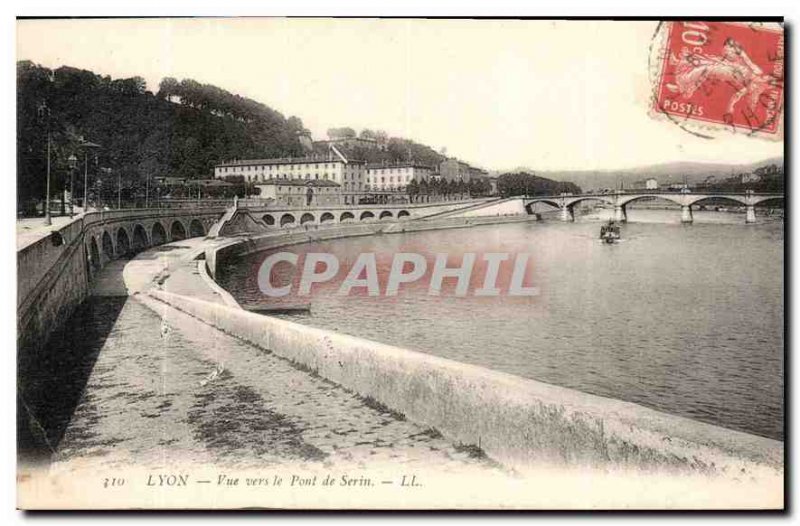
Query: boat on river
x: 610, y: 233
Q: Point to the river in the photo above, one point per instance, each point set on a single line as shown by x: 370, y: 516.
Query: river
x: 683, y: 319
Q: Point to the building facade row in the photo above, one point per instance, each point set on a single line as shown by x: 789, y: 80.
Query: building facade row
x: 332, y: 177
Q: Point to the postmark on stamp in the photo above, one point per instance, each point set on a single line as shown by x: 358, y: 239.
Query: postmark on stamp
x: 719, y: 77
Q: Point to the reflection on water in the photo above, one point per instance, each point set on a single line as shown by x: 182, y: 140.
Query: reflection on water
x: 684, y: 319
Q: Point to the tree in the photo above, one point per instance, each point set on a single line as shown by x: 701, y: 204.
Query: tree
x: 412, y: 189
x: 182, y: 132
x: 522, y: 183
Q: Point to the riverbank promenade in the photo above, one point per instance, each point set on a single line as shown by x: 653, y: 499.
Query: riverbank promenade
x: 158, y: 372
x: 169, y: 389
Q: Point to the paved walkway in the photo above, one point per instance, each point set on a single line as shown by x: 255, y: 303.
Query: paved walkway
x: 168, y: 389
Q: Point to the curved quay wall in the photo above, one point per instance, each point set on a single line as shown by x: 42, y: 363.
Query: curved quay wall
x: 517, y: 421
x: 54, y: 273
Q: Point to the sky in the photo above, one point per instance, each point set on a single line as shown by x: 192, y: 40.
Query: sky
x: 500, y: 94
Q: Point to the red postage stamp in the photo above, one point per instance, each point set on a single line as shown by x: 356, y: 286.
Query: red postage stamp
x: 721, y: 75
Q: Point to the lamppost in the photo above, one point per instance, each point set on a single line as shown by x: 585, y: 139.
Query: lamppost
x: 73, y: 163
x: 86, y: 145
x: 44, y: 112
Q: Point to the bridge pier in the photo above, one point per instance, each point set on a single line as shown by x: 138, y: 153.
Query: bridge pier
x: 567, y: 213
x: 620, y: 215
x: 750, y: 216
x: 686, y: 214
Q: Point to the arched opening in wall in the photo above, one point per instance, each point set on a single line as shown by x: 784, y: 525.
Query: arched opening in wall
x: 139, y: 238
x: 306, y: 218
x: 386, y: 215
x: 88, y: 262
x: 269, y: 219
x: 177, y: 231
x: 326, y: 217
x: 56, y: 239
x: 403, y: 214
x: 287, y: 219
x: 108, y: 246
x: 367, y: 215
x: 123, y: 243
x: 158, y: 234
x: 94, y: 255
x: 347, y: 216
x: 196, y: 228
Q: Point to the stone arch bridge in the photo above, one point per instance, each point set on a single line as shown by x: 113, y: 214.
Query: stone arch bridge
x: 619, y: 200
x: 290, y: 217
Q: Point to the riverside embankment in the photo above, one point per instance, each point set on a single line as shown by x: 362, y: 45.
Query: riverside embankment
x: 165, y: 390
x: 181, y: 378
x: 518, y: 422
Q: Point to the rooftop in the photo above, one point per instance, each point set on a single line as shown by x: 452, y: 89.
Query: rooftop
x: 401, y: 164
x: 297, y: 182
x: 286, y: 160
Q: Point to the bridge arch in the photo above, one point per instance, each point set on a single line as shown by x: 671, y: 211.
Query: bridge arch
x: 326, y: 217
x: 177, y: 231
x: 269, y: 219
x: 108, y: 246
x: 366, y: 215
x: 386, y: 214
x: 287, y: 219
x: 710, y: 199
x: 732, y: 199
x: 139, y: 238
x: 403, y: 213
x: 123, y: 242
x: 94, y: 255
x: 346, y: 216
x: 573, y: 202
x: 548, y: 202
x: 306, y: 218
x: 672, y: 198
x: 762, y: 202
x: 158, y: 235
x: 196, y: 228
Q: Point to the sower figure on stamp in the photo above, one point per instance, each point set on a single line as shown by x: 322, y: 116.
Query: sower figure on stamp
x: 734, y: 67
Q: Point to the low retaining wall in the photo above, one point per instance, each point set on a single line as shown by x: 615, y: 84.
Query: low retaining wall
x: 238, y: 247
x: 52, y: 280
x: 518, y: 422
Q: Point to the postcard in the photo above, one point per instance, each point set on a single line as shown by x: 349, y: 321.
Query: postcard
x: 400, y: 264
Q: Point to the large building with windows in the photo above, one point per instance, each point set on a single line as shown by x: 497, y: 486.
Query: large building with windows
x: 395, y: 177
x: 454, y: 170
x: 348, y: 175
x: 298, y: 192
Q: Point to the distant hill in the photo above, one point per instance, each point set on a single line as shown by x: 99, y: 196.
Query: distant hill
x: 694, y: 172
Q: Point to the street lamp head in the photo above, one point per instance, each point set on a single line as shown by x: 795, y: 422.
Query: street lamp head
x: 73, y: 161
